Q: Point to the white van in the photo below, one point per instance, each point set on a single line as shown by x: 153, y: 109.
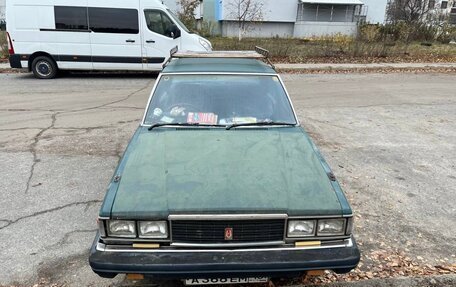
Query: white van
x: 45, y: 36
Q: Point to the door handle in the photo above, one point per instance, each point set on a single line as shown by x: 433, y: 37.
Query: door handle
x: 150, y: 41
x: 130, y: 41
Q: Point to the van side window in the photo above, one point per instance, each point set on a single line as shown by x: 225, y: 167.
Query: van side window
x: 159, y: 22
x: 71, y: 18
x: 112, y: 20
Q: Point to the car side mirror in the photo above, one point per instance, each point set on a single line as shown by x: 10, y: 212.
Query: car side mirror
x: 175, y: 31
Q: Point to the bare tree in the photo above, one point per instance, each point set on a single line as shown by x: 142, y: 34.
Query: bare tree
x: 409, y: 11
x: 187, y: 12
x: 245, y: 12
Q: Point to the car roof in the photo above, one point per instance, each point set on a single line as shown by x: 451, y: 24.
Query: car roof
x: 218, y: 65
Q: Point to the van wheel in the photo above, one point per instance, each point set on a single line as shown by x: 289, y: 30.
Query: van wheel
x: 44, y: 68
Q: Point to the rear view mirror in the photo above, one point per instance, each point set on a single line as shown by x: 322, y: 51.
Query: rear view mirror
x: 175, y: 31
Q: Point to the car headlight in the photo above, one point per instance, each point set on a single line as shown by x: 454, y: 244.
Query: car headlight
x: 122, y: 228
x: 331, y: 227
x: 206, y: 44
x: 301, y: 228
x: 153, y: 229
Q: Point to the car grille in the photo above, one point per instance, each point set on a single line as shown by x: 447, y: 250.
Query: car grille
x: 213, y: 231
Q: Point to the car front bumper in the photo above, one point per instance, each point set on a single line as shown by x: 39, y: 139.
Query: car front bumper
x: 189, y: 264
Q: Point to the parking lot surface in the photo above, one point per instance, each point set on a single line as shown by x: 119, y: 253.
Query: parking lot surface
x: 390, y: 138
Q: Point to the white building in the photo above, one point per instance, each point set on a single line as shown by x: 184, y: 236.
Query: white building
x: 294, y: 18
x: 2, y: 9
x: 375, y: 11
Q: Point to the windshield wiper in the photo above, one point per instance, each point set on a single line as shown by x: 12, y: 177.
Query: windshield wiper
x: 259, y: 124
x: 183, y: 125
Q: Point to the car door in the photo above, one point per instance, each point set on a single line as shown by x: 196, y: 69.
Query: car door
x: 158, y: 38
x: 115, y: 37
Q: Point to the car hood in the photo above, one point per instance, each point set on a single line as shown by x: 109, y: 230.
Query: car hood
x: 200, y: 171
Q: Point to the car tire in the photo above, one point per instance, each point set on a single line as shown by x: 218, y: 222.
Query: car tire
x: 106, y: 275
x: 44, y: 67
x: 342, y: 270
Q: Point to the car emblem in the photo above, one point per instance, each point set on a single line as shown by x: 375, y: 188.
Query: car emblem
x: 228, y: 233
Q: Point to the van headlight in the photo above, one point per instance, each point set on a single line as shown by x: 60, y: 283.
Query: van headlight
x: 328, y: 227
x: 122, y: 228
x: 301, y: 228
x: 206, y: 44
x: 153, y: 229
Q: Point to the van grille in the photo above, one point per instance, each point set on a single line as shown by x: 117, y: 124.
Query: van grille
x: 213, y: 231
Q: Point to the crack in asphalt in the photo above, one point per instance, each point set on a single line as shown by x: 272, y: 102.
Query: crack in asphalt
x: 112, y: 102
x: 11, y: 222
x: 36, y: 139
x: 67, y: 235
x: 27, y: 110
x: 88, y: 129
x: 19, y: 129
x: 38, y: 136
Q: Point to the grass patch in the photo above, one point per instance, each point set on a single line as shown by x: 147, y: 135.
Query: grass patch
x: 341, y: 49
x: 3, y: 46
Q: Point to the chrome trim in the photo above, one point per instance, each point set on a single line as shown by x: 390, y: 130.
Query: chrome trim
x: 106, y: 248
x: 313, y: 238
x: 319, y: 216
x: 150, y: 99
x: 102, y: 228
x: 172, y: 217
x: 289, y: 100
x: 209, y: 245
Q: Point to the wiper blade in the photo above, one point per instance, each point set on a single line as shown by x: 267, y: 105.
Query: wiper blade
x: 183, y: 125
x: 259, y: 124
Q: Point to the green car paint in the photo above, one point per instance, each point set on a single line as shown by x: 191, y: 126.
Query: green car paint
x: 218, y: 171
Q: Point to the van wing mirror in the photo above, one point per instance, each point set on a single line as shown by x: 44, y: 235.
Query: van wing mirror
x: 175, y: 31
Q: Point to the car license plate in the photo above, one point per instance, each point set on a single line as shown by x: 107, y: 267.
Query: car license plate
x: 215, y: 281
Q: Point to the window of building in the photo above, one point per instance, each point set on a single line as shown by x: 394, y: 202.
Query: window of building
x: 326, y: 12
x: 113, y: 20
x: 71, y: 18
x: 444, y: 5
x: 453, y: 16
x: 159, y: 22
x: 431, y: 4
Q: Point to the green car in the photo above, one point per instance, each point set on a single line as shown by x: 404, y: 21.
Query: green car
x: 221, y: 184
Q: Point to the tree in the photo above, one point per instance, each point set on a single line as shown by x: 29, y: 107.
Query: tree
x: 409, y: 11
x: 187, y: 12
x: 245, y: 12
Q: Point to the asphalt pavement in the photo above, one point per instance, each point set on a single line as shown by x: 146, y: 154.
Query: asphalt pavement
x: 390, y: 138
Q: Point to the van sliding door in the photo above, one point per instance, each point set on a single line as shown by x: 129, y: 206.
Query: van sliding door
x: 70, y: 35
x: 115, y: 37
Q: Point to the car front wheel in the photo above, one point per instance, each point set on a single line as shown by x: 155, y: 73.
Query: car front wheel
x: 44, y: 68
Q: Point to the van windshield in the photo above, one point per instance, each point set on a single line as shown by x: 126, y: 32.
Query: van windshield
x: 179, y: 22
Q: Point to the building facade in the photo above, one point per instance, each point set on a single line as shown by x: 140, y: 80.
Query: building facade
x: 285, y: 18
x: 375, y: 11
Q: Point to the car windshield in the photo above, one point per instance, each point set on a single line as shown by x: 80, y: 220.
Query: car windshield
x: 219, y: 100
